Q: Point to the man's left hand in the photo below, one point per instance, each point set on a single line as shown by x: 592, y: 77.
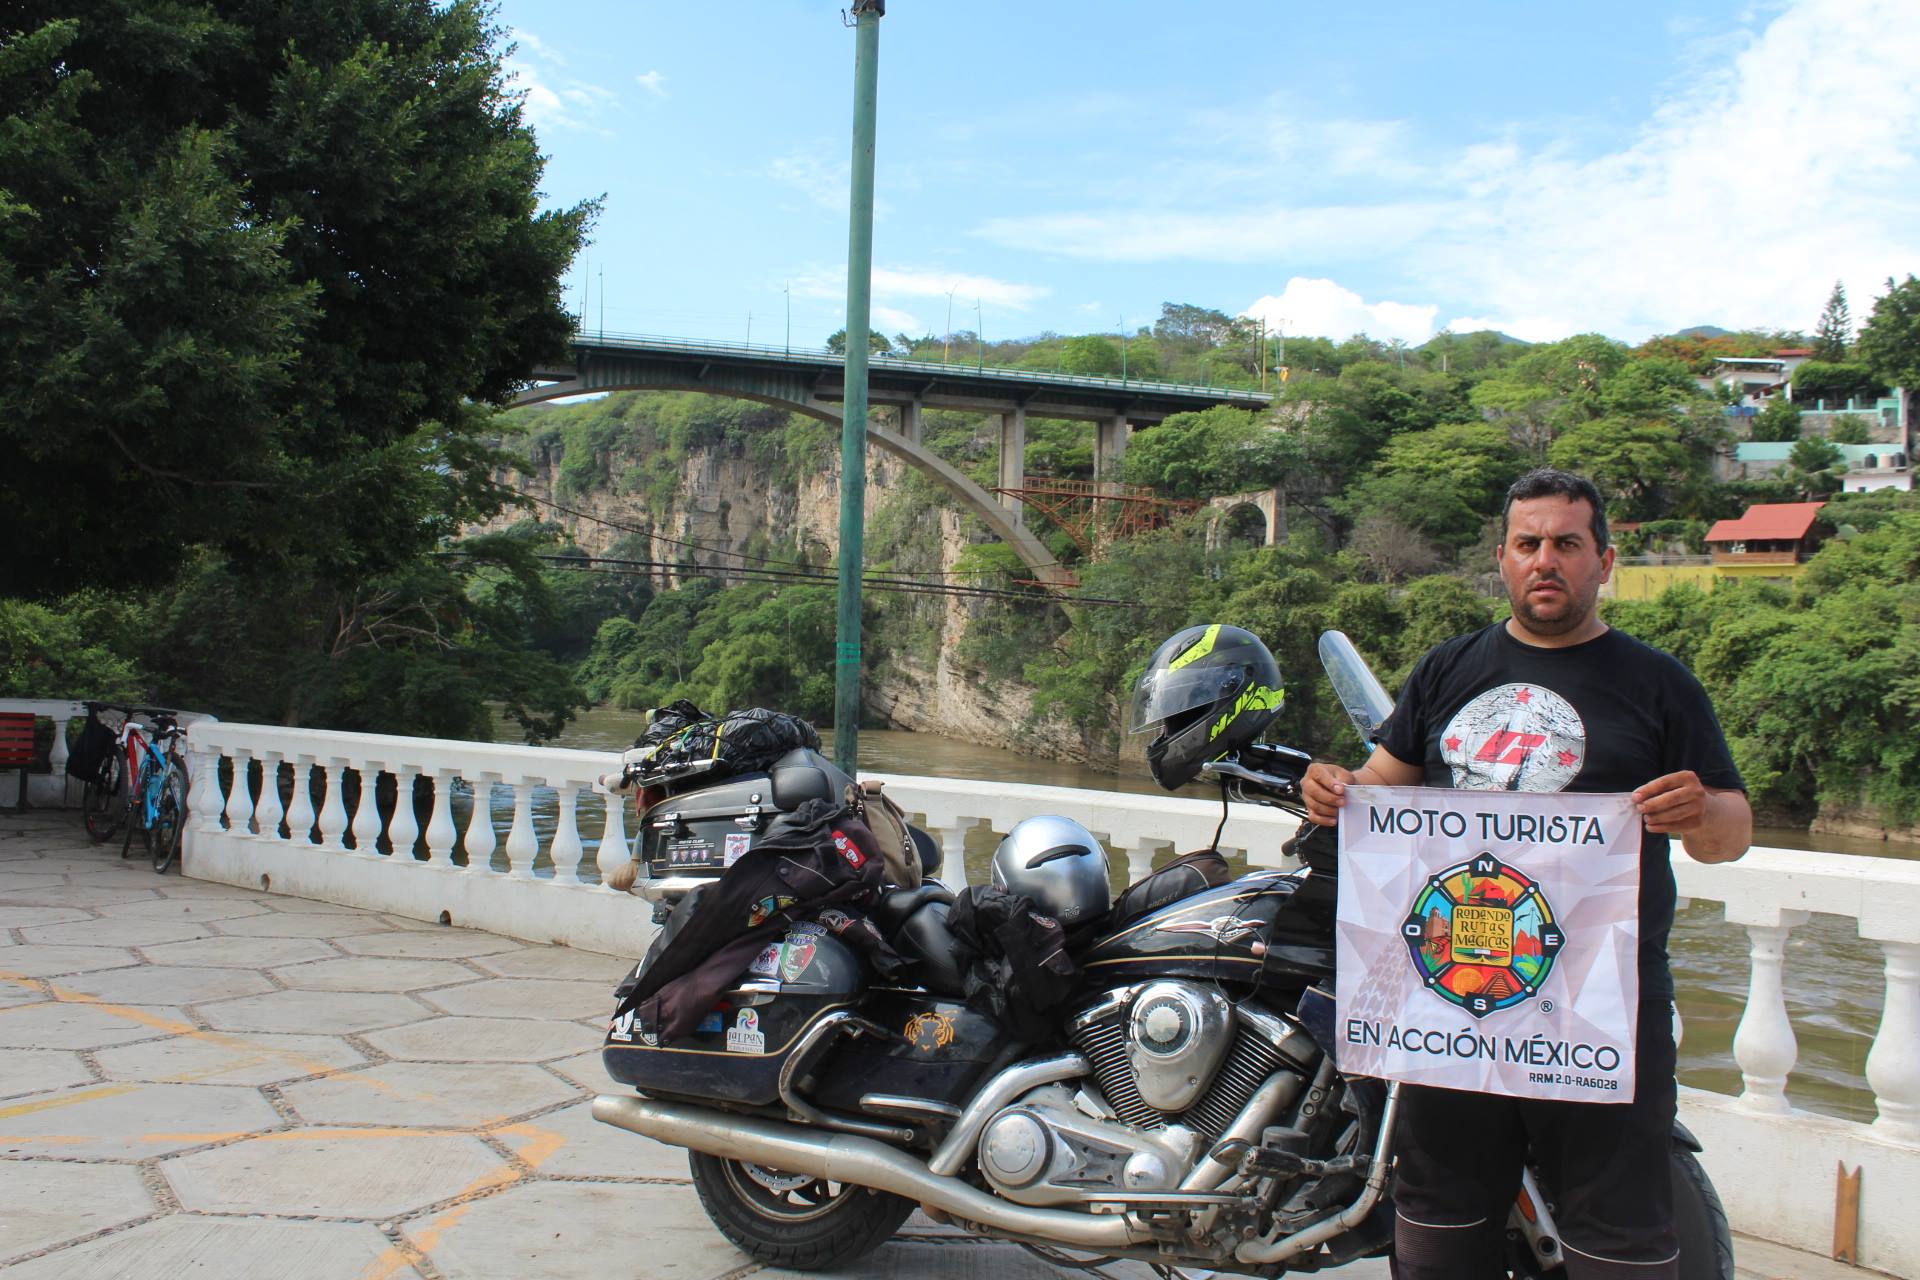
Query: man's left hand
x: 1672, y: 804
x: 1714, y: 824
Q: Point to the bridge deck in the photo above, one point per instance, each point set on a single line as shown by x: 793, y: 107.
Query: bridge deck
x: 197, y: 1079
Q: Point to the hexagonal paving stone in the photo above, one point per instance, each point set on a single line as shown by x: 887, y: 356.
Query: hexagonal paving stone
x: 82, y: 1026
x: 79, y: 896
x: 49, y: 1202
x: 483, y: 1040
x: 38, y: 1070
x: 212, y: 1248
x: 525, y: 997
x: 325, y: 1012
x: 452, y: 1095
x: 276, y: 924
x: 186, y: 909
x: 287, y: 904
x: 49, y: 962
x: 442, y: 943
x: 167, y: 984
x: 588, y: 1071
x: 18, y: 991
x: 11, y: 884
x: 569, y: 1231
x: 558, y: 962
x: 241, y: 953
x: 223, y: 1057
x: 375, y: 973
x: 588, y: 1149
x: 364, y: 1173
x: 121, y: 932
x: 125, y: 1121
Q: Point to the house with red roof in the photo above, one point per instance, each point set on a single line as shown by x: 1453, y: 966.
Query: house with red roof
x: 1768, y: 534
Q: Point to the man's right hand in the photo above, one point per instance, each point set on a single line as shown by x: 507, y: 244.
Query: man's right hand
x: 1325, y: 790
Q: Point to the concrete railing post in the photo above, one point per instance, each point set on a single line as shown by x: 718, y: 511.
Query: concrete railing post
x: 1764, y: 1043
x: 333, y: 809
x: 1893, y: 1066
x: 403, y: 828
x: 480, y: 839
x: 366, y: 813
x: 267, y: 810
x: 300, y: 811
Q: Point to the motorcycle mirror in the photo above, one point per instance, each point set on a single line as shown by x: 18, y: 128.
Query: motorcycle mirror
x: 1365, y: 699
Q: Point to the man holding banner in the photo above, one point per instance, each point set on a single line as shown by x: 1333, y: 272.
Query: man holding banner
x: 1504, y: 955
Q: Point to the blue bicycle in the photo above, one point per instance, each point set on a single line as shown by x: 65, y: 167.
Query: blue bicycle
x: 158, y: 809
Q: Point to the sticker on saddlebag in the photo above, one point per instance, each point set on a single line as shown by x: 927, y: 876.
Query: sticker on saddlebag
x: 736, y: 847
x: 621, y: 1028
x: 767, y: 963
x: 745, y: 1036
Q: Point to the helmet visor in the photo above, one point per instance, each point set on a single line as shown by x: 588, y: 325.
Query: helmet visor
x: 1162, y: 694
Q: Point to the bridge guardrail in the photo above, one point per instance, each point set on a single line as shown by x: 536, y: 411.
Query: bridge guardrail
x: 899, y: 364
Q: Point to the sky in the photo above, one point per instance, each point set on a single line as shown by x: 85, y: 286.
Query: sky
x: 1396, y: 168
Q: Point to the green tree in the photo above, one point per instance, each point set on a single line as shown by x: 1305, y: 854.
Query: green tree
x: 1638, y: 464
x: 1778, y: 422
x: 1835, y: 330
x: 876, y: 342
x: 250, y: 256
x: 1090, y: 354
x: 1445, y: 482
x: 1890, y: 340
x: 1815, y: 468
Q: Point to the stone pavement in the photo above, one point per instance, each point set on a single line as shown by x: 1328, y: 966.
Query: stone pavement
x: 197, y: 1080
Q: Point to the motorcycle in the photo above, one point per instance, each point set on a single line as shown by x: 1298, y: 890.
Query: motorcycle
x: 1189, y: 1112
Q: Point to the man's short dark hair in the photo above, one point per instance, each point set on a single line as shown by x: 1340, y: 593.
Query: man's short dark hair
x: 1550, y: 482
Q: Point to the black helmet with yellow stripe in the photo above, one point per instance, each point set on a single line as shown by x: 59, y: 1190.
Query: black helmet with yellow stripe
x: 1209, y: 690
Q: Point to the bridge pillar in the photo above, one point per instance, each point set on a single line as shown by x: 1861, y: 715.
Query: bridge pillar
x: 910, y: 425
x: 1013, y: 458
x: 1110, y: 444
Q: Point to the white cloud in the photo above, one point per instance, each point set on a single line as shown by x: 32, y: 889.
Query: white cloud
x: 1789, y: 157
x: 550, y: 102
x: 653, y: 82
x: 892, y: 321
x: 915, y: 282
x: 1321, y: 308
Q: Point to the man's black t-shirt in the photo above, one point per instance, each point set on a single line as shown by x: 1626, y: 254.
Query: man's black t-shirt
x: 1485, y: 712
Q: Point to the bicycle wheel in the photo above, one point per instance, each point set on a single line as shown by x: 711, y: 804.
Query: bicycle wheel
x: 168, y: 824
x: 136, y: 820
x: 103, y: 804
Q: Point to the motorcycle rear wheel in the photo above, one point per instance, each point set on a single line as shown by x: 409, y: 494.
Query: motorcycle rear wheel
x: 790, y: 1220
x: 1699, y: 1220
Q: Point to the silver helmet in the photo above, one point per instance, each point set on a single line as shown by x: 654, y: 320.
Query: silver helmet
x: 1057, y: 863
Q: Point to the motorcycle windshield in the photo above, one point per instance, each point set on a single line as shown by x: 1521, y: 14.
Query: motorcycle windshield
x: 1366, y: 701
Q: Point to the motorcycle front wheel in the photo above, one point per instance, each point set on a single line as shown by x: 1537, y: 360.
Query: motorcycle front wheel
x: 1699, y: 1220
x: 791, y: 1220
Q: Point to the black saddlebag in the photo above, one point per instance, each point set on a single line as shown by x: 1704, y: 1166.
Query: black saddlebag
x: 939, y: 1054
x: 738, y: 1050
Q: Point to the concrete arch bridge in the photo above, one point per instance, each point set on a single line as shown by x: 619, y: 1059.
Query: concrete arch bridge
x: 814, y: 383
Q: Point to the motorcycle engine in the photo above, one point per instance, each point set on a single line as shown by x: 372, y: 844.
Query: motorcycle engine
x: 1175, y: 1063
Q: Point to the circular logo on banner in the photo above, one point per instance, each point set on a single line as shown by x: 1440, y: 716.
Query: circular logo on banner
x: 1482, y: 936
x: 1519, y: 737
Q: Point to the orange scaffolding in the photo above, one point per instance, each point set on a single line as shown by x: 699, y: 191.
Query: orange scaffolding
x: 1095, y: 513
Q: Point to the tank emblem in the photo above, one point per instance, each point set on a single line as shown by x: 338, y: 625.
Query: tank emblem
x: 1222, y: 929
x: 929, y: 1032
x: 796, y: 953
x: 745, y: 1036
x: 1482, y: 935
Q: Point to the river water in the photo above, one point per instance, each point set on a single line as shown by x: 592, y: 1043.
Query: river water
x: 1834, y: 980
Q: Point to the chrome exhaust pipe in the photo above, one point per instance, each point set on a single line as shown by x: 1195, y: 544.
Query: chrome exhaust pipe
x: 843, y: 1157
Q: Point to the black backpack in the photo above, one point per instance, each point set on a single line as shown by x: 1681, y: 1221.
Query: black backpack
x: 91, y: 753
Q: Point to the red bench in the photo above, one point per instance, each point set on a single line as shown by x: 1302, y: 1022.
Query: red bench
x: 16, y: 748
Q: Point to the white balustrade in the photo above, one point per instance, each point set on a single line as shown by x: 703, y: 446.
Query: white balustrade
x: 566, y: 848
x: 521, y: 848
x: 613, y: 834
x: 1764, y: 1043
x: 333, y: 809
x: 366, y: 813
x: 441, y: 833
x: 404, y: 827
x: 300, y: 810
x: 1893, y: 1067
x: 204, y: 804
x: 266, y: 808
x: 239, y: 793
x: 480, y: 841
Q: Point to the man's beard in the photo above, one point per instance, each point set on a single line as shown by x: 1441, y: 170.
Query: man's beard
x: 1579, y: 608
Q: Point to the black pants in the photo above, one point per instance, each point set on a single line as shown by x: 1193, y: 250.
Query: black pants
x: 1605, y: 1165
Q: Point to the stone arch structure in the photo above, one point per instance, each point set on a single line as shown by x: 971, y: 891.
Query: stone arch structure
x: 1268, y: 502
x: 795, y: 393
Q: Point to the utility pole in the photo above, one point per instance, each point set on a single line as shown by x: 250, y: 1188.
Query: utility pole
x: 786, y: 292
x: 603, y: 302
x: 1123, y: 348
x: 979, y: 339
x: 948, y: 350
x: 853, y: 426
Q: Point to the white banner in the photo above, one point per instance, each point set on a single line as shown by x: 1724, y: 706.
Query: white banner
x: 1489, y: 940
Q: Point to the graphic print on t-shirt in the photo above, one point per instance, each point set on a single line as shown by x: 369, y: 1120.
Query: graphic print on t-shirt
x: 1518, y: 737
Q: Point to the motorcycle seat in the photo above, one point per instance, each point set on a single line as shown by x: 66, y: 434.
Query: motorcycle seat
x: 925, y: 939
x: 896, y: 905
